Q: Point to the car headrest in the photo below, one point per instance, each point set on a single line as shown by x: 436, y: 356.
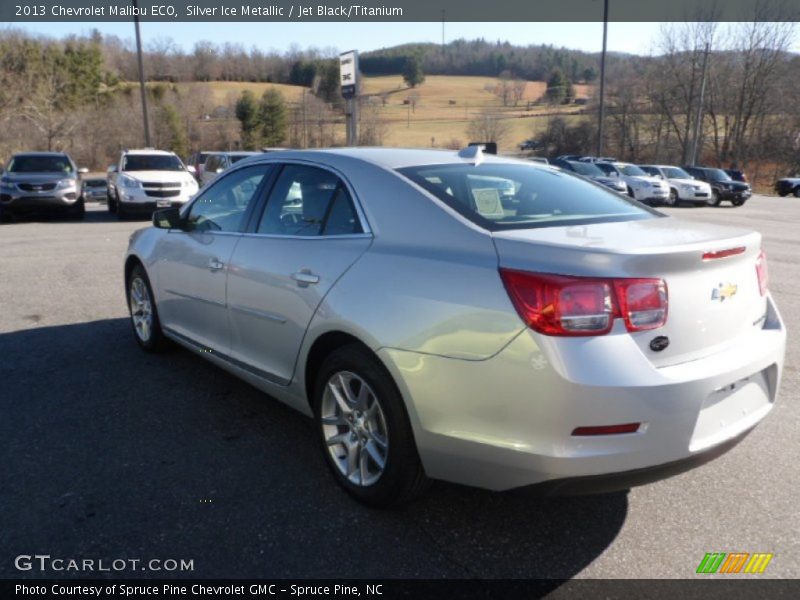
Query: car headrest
x: 315, y: 203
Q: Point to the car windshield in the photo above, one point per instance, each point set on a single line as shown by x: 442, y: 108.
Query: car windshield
x: 587, y: 169
x: 152, y: 162
x: 94, y: 182
x: 632, y: 171
x: 532, y: 197
x: 718, y: 175
x: 40, y: 164
x: 676, y: 173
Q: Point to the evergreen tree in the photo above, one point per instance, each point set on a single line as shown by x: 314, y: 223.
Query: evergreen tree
x: 412, y: 71
x: 272, y: 118
x: 559, y: 88
x: 247, y: 111
x: 178, y: 142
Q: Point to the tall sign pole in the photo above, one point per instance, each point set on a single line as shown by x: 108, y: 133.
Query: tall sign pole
x: 141, y: 73
x: 348, y: 79
x: 602, y: 111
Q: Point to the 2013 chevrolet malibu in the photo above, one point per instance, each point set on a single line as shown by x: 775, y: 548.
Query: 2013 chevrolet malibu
x: 562, y: 336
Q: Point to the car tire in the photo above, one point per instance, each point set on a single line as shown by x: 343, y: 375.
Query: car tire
x: 78, y: 210
x: 715, y: 198
x: 111, y: 203
x: 673, y: 199
x: 122, y: 214
x: 738, y: 202
x: 362, y: 422
x: 783, y: 194
x: 144, y: 312
x: 797, y: 192
x: 630, y: 193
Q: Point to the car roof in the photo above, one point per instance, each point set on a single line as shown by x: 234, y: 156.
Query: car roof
x: 393, y: 158
x: 149, y: 151
x: 41, y: 154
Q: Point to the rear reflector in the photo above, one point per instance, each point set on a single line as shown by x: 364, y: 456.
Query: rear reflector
x: 762, y: 273
x: 607, y: 429
x: 723, y: 253
x: 562, y: 305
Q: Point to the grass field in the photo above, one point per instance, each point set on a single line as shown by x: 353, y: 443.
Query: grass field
x: 435, y: 113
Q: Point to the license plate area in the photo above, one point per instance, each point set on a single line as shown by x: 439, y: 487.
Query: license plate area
x: 163, y: 203
x: 733, y: 408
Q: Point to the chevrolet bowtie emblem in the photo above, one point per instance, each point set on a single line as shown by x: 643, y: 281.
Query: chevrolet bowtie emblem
x: 724, y: 291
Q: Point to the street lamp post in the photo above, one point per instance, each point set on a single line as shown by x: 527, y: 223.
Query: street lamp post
x: 602, y: 110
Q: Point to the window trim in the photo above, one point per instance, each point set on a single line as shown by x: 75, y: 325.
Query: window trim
x: 251, y: 229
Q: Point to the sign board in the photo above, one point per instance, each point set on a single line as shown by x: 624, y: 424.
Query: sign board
x: 348, y: 73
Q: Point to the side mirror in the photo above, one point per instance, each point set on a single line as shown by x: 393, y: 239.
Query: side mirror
x: 220, y: 170
x: 83, y: 170
x: 191, y: 169
x: 167, y: 218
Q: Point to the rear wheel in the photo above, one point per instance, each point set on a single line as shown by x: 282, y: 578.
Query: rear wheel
x: 364, y: 430
x: 143, y: 311
x: 797, y: 192
x: 715, y: 198
x: 78, y: 210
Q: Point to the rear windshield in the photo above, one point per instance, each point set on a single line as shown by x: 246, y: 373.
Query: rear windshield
x: 94, y: 182
x: 151, y: 162
x: 40, y: 164
x: 587, y: 169
x: 500, y: 196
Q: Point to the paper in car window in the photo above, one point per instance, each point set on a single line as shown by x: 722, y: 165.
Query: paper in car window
x: 487, y: 202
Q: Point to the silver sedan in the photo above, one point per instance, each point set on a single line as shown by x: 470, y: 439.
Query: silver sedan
x: 476, y: 319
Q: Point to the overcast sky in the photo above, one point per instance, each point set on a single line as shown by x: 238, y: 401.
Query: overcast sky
x: 623, y: 37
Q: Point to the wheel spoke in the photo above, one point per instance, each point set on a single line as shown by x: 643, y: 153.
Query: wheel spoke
x: 363, y: 466
x: 352, y: 459
x: 333, y: 420
x: 345, y: 383
x: 375, y: 455
x: 363, y: 397
x: 340, y: 438
x: 378, y: 439
x: 339, y: 398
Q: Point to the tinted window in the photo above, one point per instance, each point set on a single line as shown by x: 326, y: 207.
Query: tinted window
x: 308, y: 201
x: 586, y: 169
x: 632, y: 171
x: 94, y: 182
x: 222, y: 206
x: 528, y: 197
x: 676, y: 173
x: 40, y: 164
x: 717, y: 175
x: 606, y: 168
x: 151, y: 162
x: 651, y: 171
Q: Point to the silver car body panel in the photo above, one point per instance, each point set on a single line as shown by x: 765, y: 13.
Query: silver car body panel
x: 491, y: 402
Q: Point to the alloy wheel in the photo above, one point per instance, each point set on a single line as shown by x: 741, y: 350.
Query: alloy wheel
x: 141, y: 309
x: 354, y: 428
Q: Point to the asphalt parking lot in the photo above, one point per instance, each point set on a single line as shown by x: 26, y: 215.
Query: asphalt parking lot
x: 111, y: 453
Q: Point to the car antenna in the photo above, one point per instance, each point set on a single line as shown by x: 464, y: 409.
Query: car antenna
x: 474, y: 153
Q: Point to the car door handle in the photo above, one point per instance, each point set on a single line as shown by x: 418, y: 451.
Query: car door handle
x: 305, y: 277
x: 214, y: 264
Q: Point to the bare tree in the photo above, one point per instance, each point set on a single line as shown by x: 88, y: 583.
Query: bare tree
x: 488, y: 127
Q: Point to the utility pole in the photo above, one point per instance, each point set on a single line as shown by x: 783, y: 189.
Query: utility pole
x: 141, y: 73
x: 442, y: 31
x: 602, y: 110
x: 699, y: 116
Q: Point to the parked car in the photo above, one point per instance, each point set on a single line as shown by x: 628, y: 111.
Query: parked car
x: 593, y: 172
x: 722, y: 186
x: 594, y: 159
x: 217, y: 162
x: 736, y: 175
x: 529, y: 145
x: 682, y: 186
x: 94, y: 189
x: 458, y: 340
x: 788, y: 185
x: 641, y: 186
x: 41, y: 183
x: 144, y: 180
x: 198, y: 161
x: 539, y: 159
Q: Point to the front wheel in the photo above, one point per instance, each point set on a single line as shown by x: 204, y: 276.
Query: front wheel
x: 715, y: 198
x: 365, y: 433
x: 797, y: 192
x: 111, y: 203
x: 673, y: 199
x: 738, y: 202
x: 143, y: 311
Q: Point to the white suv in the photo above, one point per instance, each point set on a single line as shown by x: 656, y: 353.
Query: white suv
x: 145, y: 180
x: 682, y: 186
x: 641, y: 186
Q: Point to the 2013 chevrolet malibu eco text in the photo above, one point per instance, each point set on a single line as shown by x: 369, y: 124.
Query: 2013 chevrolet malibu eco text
x: 558, y: 336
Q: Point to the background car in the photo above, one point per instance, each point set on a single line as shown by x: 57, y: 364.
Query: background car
x: 682, y: 186
x: 147, y: 179
x: 593, y: 172
x: 788, y: 185
x: 456, y: 338
x: 641, y: 186
x: 722, y: 186
x: 217, y: 162
x: 198, y: 161
x: 736, y: 175
x: 94, y: 189
x: 41, y: 183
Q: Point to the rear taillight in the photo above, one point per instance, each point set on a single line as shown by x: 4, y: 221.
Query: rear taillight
x: 762, y: 273
x: 580, y: 306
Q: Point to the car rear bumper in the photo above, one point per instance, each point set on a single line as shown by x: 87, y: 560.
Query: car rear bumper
x: 507, y: 422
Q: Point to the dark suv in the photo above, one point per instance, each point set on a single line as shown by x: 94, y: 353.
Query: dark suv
x: 722, y: 186
x: 41, y: 182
